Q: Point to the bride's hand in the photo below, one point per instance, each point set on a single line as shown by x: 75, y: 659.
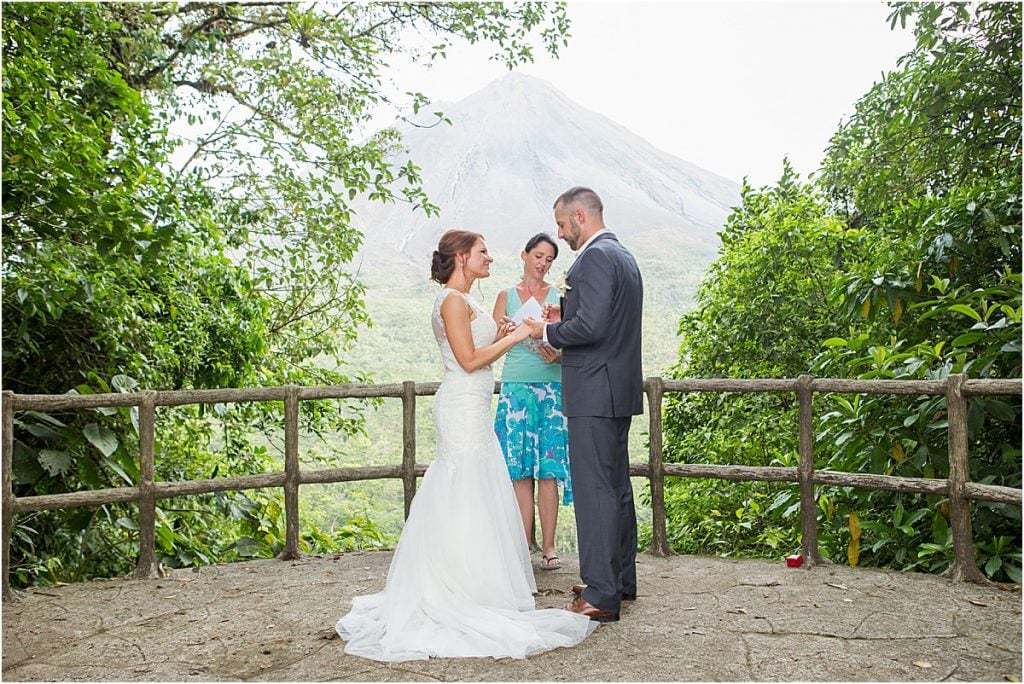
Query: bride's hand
x: 505, y: 327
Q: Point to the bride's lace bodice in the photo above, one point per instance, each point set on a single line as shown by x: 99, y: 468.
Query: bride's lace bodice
x: 482, y: 327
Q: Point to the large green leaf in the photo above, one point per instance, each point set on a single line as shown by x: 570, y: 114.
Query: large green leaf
x: 56, y: 462
x: 101, y: 437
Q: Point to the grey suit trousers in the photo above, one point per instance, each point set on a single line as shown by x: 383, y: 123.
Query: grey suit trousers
x: 605, y: 517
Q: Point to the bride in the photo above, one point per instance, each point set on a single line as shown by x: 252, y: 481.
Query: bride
x: 460, y: 582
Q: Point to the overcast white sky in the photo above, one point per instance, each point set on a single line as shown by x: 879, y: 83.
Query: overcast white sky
x: 730, y: 86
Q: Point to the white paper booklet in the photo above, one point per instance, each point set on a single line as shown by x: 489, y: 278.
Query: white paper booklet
x: 531, y: 309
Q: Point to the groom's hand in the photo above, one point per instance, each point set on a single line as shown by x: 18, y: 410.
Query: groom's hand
x: 536, y: 328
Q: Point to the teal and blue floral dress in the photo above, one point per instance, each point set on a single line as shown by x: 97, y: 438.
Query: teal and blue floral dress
x: 529, y: 421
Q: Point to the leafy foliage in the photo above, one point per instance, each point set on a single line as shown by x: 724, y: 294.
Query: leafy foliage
x: 177, y: 180
x: 902, y: 260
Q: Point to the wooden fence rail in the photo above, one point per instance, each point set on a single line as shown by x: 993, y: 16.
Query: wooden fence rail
x: 958, y: 487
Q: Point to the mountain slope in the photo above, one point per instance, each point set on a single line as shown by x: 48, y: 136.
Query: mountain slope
x: 515, y: 146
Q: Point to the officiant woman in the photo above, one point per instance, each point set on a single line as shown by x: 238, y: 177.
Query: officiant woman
x: 529, y: 422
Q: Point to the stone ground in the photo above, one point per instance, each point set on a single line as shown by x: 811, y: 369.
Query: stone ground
x: 696, y: 619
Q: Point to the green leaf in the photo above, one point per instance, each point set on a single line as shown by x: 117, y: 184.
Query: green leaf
x: 25, y: 467
x: 113, y: 465
x: 247, y: 547
x: 966, y: 310
x: 56, y: 462
x: 1000, y: 410
x: 89, y: 473
x: 968, y: 338
x: 101, y: 437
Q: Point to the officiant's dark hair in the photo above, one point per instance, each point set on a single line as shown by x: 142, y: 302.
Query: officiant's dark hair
x: 539, y: 238
x: 451, y: 244
x: 580, y: 195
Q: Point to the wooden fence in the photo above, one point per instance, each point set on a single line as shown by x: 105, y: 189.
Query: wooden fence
x: 958, y: 487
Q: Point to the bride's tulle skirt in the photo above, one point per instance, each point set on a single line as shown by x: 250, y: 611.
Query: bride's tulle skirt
x: 460, y: 583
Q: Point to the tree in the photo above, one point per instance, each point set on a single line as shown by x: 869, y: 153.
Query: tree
x: 930, y: 164
x: 177, y: 180
x: 920, y: 192
x: 273, y: 98
x: 762, y: 309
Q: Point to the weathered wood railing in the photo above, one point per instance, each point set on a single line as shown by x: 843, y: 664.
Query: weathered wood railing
x: 958, y: 487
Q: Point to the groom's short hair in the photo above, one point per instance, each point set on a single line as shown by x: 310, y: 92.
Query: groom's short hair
x: 582, y: 196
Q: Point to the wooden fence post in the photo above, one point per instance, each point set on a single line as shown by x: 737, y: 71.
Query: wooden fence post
x: 805, y: 474
x: 291, y: 474
x: 964, y: 567
x: 146, y: 565
x: 409, y: 443
x: 659, y: 531
x: 8, y: 485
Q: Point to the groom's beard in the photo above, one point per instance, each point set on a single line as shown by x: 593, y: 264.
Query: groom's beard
x: 574, y: 233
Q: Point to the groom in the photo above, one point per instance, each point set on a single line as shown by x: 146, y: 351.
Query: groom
x: 602, y: 387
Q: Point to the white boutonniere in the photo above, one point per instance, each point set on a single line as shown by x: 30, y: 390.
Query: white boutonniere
x: 563, y: 285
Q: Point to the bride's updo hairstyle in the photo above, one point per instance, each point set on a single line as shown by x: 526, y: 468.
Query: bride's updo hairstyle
x: 452, y: 243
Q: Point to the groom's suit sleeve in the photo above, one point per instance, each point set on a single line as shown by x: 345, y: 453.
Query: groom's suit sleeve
x: 594, y: 282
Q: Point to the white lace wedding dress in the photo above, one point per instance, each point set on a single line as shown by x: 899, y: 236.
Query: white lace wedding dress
x: 460, y: 583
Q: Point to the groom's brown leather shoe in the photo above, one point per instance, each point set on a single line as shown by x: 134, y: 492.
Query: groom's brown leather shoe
x: 580, y: 606
x: 578, y: 590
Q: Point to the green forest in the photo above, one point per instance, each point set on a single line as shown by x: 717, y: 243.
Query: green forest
x: 900, y: 258
x: 136, y: 256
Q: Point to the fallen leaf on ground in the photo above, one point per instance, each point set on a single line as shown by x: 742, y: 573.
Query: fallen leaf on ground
x: 978, y: 603
x: 837, y: 586
x: 922, y: 663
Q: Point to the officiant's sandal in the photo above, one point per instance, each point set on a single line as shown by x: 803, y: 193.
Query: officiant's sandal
x: 550, y: 562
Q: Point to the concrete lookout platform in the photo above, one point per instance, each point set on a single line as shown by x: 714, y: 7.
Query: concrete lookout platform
x: 696, y: 618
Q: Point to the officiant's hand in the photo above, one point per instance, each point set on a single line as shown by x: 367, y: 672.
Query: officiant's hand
x: 548, y: 353
x: 552, y: 313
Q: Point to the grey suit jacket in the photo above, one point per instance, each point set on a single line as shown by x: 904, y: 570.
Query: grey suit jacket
x: 599, y: 333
